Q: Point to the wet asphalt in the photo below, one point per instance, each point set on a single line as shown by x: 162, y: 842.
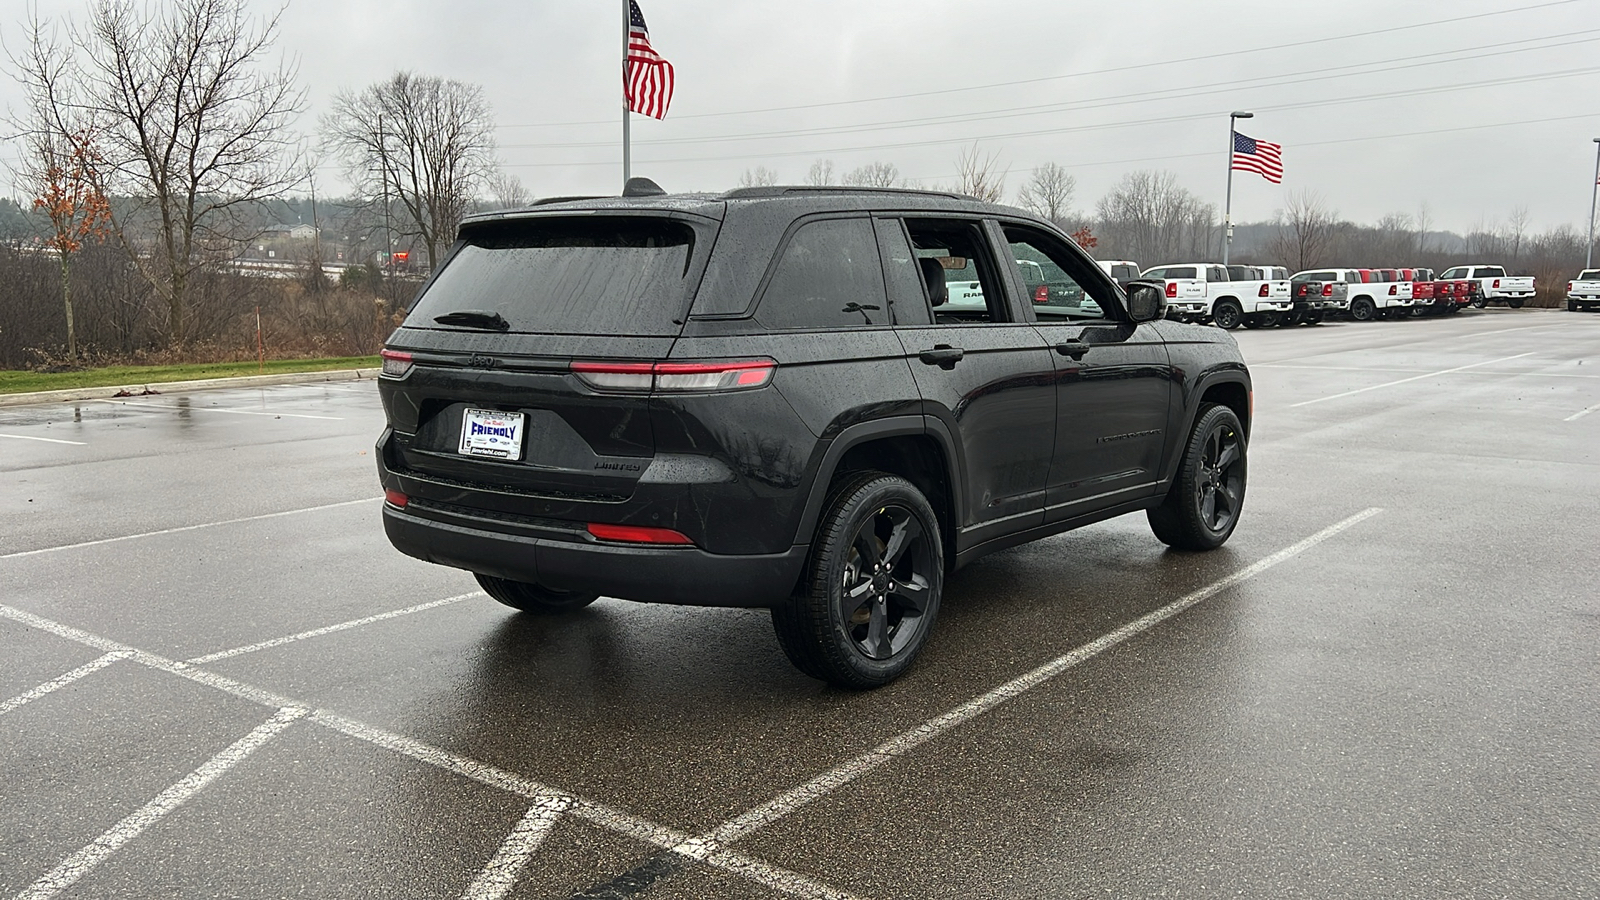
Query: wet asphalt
x: 1405, y: 707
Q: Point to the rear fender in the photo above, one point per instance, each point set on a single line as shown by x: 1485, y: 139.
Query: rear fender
x: 865, y: 432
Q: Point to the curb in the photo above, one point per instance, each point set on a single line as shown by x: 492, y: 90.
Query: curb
x: 110, y: 391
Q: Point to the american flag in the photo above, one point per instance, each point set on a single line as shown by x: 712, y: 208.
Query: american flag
x: 648, y: 79
x: 1261, y: 157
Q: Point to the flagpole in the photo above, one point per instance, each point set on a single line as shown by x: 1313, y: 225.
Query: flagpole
x: 1588, y: 255
x: 627, y: 162
x: 1227, y: 203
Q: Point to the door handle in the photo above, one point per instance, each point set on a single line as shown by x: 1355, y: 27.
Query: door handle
x: 942, y: 355
x: 1074, y: 349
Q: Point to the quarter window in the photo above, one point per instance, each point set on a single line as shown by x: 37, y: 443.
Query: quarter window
x: 828, y: 277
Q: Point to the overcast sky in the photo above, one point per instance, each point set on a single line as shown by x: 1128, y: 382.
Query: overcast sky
x: 1472, y: 117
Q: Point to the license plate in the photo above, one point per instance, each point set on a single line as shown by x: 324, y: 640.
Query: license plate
x: 488, y: 432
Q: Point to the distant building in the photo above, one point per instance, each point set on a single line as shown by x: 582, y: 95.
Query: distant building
x: 300, y: 232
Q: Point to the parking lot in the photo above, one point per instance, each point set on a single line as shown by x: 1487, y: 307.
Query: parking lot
x: 217, y: 679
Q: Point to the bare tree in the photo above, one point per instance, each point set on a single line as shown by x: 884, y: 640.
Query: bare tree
x: 874, y: 174
x: 506, y: 190
x: 1306, y: 231
x: 189, y: 121
x: 760, y: 176
x: 979, y: 175
x: 1049, y: 192
x: 1424, y: 221
x: 820, y: 173
x: 1150, y: 218
x: 425, y: 141
x: 1516, y: 230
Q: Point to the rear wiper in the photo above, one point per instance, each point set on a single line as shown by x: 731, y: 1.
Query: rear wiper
x: 474, y: 318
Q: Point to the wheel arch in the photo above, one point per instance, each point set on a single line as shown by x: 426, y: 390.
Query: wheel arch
x: 919, y: 449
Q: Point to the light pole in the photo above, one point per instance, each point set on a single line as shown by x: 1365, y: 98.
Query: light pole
x: 1227, y: 203
x: 1588, y: 252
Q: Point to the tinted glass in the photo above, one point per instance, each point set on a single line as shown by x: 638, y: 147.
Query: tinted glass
x: 1173, y: 272
x: 1124, y: 273
x: 1319, y: 276
x: 568, y: 276
x: 1045, y: 265
x: 1589, y: 275
x: 907, y: 297
x: 1452, y: 273
x: 828, y: 277
x: 1242, y: 273
x: 1491, y: 272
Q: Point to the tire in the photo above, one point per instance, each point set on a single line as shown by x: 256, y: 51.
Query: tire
x: 1515, y: 302
x: 850, y: 622
x: 1227, y: 314
x: 1292, y: 318
x: 1479, y: 303
x: 1203, y: 506
x: 1362, y: 309
x: 1572, y: 306
x: 534, y: 598
x: 1315, y: 318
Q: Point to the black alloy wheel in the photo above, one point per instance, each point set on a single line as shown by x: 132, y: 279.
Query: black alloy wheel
x: 871, y: 591
x: 1227, y: 314
x: 1478, y: 302
x: 533, y: 598
x: 1203, y: 506
x: 1362, y: 309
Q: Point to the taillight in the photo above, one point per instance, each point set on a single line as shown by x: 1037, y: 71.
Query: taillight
x: 395, y: 365
x: 1497, y: 282
x: 1263, y: 291
x: 1569, y: 287
x: 1394, y: 289
x: 638, y: 534
x: 1327, y: 289
x: 1041, y: 294
x: 395, y: 498
x: 676, y: 377
x: 1172, y: 289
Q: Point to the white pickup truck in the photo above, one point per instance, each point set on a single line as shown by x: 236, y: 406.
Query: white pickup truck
x: 1494, y: 285
x: 1584, y: 291
x: 1229, y: 296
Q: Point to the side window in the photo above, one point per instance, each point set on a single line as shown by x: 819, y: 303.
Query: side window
x: 1216, y: 273
x: 828, y: 277
x: 907, y: 298
x: 958, y: 274
x: 1048, y: 271
x: 1452, y: 273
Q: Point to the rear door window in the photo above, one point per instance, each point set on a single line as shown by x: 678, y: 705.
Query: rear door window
x: 595, y: 275
x: 960, y: 279
x: 828, y: 276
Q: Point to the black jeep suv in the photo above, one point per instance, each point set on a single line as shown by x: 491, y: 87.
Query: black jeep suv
x: 817, y: 400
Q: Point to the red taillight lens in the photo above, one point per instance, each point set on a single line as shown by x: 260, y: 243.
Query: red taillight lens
x: 1327, y: 289
x: 675, y: 377
x: 395, y: 364
x: 638, y: 534
x: 396, y: 499
x: 1263, y: 291
x: 1041, y: 294
x: 1394, y: 289
x: 1497, y: 282
x: 1172, y: 289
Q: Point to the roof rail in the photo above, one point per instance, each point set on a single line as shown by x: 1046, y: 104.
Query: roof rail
x: 546, y: 201
x: 780, y: 190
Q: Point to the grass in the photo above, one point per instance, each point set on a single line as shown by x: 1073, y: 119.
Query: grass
x: 14, y: 382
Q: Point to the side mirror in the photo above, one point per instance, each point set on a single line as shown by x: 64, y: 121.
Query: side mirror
x: 1146, y: 301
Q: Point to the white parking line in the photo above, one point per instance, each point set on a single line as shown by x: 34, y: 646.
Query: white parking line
x: 1488, y: 362
x: 330, y: 629
x: 1581, y: 413
x: 56, y: 684
x: 182, y: 528
x: 597, y: 813
x: 500, y: 875
x: 1387, y: 369
x: 74, y: 867
x: 221, y: 409
x: 24, y: 437
x: 841, y: 775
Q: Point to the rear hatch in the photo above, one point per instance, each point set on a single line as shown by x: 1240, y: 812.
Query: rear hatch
x: 491, y: 410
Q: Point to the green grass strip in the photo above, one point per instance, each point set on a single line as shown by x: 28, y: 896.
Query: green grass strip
x: 15, y: 382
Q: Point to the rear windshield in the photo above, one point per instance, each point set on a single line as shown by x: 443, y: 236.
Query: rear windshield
x: 1491, y: 272
x: 1124, y: 272
x: 1172, y: 272
x: 621, y: 276
x: 1589, y: 275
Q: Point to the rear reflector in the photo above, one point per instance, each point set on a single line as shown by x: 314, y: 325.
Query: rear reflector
x: 396, y: 499
x: 676, y: 377
x: 395, y: 363
x: 638, y: 534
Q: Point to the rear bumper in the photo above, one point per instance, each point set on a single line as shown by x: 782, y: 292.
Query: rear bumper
x: 685, y: 576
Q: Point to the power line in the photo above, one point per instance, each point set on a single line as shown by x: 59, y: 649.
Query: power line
x: 1130, y: 68
x: 1325, y: 74
x: 1518, y: 79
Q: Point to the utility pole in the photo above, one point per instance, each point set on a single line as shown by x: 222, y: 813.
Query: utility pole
x: 316, y: 239
x: 388, y: 235
x: 1227, y: 203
